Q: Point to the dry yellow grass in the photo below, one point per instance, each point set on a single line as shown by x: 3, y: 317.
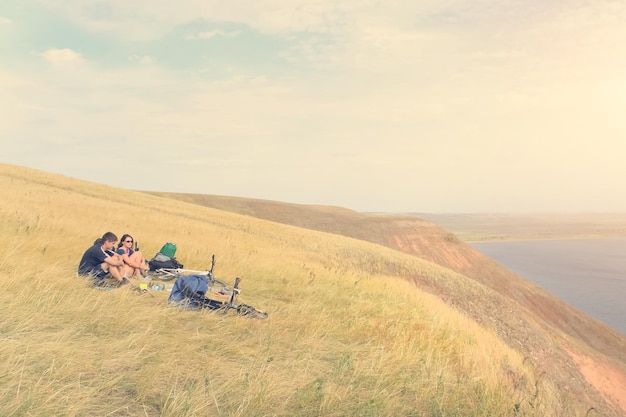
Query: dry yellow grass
x: 345, y: 335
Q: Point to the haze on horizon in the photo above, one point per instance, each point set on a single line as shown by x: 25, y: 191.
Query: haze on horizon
x: 429, y: 106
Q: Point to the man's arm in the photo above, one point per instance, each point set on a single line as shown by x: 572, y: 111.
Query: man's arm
x: 114, y: 260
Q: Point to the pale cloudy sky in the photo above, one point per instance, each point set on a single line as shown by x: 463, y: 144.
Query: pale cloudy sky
x: 395, y: 105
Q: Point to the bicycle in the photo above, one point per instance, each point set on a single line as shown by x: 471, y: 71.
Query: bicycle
x: 167, y: 274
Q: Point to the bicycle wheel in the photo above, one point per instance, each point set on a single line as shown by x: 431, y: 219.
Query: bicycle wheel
x: 219, y: 287
x: 162, y: 275
x: 249, y: 311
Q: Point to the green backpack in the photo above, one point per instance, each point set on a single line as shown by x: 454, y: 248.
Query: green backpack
x: 169, y: 249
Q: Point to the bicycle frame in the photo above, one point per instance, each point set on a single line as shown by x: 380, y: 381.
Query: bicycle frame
x: 167, y: 274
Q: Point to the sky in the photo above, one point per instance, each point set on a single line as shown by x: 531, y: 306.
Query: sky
x: 431, y: 106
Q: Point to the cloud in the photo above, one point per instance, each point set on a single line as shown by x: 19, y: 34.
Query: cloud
x: 142, y: 59
x: 212, y: 34
x: 435, y: 96
x: 5, y: 21
x: 150, y: 20
x: 62, y: 56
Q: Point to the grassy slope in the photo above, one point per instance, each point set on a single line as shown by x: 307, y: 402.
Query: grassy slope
x: 526, y: 317
x: 348, y: 333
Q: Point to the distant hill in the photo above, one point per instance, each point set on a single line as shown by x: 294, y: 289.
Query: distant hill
x: 526, y: 316
x: 502, y: 226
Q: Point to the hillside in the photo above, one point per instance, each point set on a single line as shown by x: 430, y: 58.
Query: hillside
x: 525, y: 316
x: 355, y: 328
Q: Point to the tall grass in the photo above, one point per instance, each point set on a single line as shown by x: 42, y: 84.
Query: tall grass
x: 346, y: 336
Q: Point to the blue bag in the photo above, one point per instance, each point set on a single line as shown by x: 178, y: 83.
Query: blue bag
x: 189, y: 290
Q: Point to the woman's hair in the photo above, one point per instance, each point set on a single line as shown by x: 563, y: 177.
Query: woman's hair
x: 107, y: 237
x: 124, y: 236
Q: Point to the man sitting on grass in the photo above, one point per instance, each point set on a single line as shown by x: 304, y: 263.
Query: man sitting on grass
x: 101, y: 260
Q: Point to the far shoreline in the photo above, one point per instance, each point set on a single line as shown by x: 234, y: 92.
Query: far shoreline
x: 530, y: 239
x: 471, y: 228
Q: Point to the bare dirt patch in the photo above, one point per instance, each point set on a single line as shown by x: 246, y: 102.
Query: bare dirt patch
x: 607, y: 379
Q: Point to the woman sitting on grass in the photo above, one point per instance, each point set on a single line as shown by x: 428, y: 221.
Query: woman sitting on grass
x: 134, y: 262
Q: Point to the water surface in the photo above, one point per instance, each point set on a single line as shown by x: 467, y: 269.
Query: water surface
x: 589, y: 274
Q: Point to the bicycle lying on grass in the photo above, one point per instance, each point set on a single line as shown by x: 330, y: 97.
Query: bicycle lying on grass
x: 190, y: 291
x: 167, y: 274
x: 191, y: 288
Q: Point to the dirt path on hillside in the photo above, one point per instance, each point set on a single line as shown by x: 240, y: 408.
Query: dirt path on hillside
x: 608, y: 380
